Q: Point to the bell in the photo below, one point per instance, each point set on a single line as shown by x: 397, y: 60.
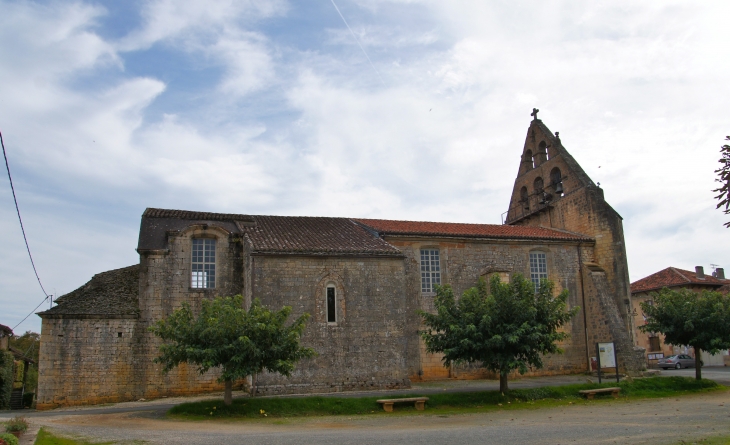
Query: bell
x: 559, y: 188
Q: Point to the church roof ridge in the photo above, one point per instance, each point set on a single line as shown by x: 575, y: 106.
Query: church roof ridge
x: 469, y: 230
x: 151, y: 212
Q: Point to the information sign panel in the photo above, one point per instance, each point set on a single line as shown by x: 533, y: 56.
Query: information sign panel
x: 606, y: 354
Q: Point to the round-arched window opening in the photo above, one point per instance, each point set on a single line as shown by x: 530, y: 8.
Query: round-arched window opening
x: 538, y: 185
x: 524, y: 198
x: 556, y: 180
x: 529, y: 159
x: 331, y: 297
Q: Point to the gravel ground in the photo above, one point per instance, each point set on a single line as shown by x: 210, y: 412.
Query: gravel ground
x: 652, y: 421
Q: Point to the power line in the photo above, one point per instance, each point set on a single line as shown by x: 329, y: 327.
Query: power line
x: 31, y: 312
x: 22, y: 229
x: 358, y: 41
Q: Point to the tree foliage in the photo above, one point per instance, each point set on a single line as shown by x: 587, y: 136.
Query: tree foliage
x: 238, y: 341
x: 29, y: 344
x: 685, y: 317
x: 6, y: 378
x: 507, y: 329
x: 723, y: 177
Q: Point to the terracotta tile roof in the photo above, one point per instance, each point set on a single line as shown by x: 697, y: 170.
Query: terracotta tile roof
x: 672, y: 277
x: 109, y: 294
x: 314, y: 235
x: 388, y: 227
x: 328, y: 235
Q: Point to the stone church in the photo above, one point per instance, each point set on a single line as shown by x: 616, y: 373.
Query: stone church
x: 362, y: 280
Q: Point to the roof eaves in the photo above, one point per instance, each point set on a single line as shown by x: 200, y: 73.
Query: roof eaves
x: 277, y: 252
x: 487, y: 237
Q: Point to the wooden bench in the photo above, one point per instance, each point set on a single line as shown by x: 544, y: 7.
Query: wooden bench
x: 388, y: 403
x: 589, y: 393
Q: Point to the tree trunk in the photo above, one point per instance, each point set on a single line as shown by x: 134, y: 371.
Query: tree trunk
x: 253, y: 385
x: 228, y: 393
x: 503, y: 388
x: 698, y: 363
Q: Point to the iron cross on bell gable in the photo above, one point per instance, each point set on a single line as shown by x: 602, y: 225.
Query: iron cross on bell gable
x: 534, y: 113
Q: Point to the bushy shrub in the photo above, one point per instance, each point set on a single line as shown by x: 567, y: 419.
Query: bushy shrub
x: 6, y: 378
x: 28, y: 399
x: 15, y: 424
x: 8, y: 439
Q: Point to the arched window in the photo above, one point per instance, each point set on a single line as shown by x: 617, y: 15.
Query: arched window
x: 430, y: 270
x: 529, y: 160
x: 524, y: 198
x: 542, y: 152
x: 331, y: 296
x: 538, y: 268
x: 556, y: 180
x: 538, y: 185
x: 203, y: 264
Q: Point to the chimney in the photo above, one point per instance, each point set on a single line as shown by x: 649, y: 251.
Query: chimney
x: 720, y: 273
x: 700, y: 271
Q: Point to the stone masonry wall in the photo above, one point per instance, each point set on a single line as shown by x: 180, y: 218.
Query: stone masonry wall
x: 463, y: 263
x: 582, y: 209
x: 86, y: 362
x: 606, y: 325
x: 165, y: 280
x: 366, y: 347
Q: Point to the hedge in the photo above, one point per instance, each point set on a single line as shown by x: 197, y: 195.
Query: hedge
x: 6, y: 378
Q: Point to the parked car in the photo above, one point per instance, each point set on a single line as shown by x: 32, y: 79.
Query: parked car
x: 677, y: 361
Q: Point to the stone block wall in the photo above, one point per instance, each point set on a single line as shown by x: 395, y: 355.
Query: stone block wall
x: 605, y: 323
x: 366, y: 348
x: 165, y: 283
x: 86, y: 361
x: 92, y: 361
x: 463, y: 263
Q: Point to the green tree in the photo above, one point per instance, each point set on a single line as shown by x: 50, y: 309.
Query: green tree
x: 509, y: 328
x: 29, y: 344
x: 684, y: 317
x: 6, y: 378
x: 723, y: 177
x: 241, y: 342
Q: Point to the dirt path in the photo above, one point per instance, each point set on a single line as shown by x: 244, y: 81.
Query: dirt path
x: 650, y: 421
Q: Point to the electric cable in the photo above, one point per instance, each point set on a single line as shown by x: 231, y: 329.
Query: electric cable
x: 22, y: 229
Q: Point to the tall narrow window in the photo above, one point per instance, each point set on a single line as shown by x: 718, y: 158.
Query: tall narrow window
x: 556, y: 180
x: 203, y: 264
x: 430, y: 269
x: 529, y: 160
x: 331, y: 301
x: 524, y: 198
x: 538, y: 268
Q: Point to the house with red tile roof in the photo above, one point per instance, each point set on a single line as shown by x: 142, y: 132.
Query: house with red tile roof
x: 5, y: 334
x: 362, y: 280
x: 673, y: 278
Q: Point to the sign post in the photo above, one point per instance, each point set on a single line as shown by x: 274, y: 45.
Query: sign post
x: 606, y: 356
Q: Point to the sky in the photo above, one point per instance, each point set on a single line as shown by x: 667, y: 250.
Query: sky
x: 418, y: 110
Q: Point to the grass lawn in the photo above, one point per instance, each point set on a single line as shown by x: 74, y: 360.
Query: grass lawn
x: 45, y: 437
x: 278, y: 407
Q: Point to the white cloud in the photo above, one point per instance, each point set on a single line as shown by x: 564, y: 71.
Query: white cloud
x: 170, y: 20
x: 635, y: 88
